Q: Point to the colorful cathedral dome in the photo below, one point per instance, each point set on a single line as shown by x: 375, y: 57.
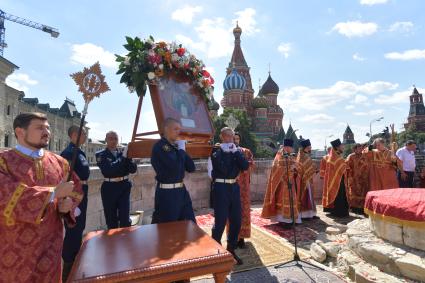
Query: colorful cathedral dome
x: 260, y: 102
x: 234, y: 81
x: 270, y: 87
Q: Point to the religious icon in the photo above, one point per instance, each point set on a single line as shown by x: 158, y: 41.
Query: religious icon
x: 177, y: 98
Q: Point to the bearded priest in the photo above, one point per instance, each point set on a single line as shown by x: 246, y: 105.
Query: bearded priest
x: 276, y: 204
x: 335, y: 198
x: 35, y: 199
x: 307, y: 170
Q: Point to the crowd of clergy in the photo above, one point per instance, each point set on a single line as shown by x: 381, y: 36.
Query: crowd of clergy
x: 40, y: 194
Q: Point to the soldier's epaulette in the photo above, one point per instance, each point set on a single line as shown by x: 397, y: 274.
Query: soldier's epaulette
x: 215, y: 148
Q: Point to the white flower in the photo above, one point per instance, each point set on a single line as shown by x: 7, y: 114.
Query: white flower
x: 174, y: 57
x: 127, y: 61
x: 151, y: 75
x: 161, y: 66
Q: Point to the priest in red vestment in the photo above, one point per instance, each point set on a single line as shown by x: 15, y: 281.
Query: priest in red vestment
x: 383, y: 165
x: 34, y: 200
x: 358, y: 179
x: 335, y: 197
x: 276, y: 204
x: 244, y: 181
x: 305, y: 175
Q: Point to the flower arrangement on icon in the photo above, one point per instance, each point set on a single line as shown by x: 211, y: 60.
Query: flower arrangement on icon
x: 147, y: 61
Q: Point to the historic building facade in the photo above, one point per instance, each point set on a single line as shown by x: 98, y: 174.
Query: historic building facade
x: 265, y: 113
x: 14, y: 102
x: 416, y: 118
x: 348, y: 136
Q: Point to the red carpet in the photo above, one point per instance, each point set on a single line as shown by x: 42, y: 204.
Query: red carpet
x: 305, y: 232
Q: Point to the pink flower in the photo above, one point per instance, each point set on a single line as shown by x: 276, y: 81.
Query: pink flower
x: 154, y: 58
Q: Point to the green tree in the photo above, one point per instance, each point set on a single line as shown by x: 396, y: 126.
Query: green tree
x: 348, y: 149
x: 280, y: 136
x: 264, y: 152
x: 403, y: 137
x: 244, y: 128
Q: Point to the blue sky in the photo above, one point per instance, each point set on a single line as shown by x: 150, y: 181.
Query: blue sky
x: 336, y: 62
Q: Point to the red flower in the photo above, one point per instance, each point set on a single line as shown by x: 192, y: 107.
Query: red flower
x: 205, y: 74
x: 212, y: 80
x: 180, y: 51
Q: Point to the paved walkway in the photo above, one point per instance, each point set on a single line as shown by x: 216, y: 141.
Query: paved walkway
x: 291, y: 273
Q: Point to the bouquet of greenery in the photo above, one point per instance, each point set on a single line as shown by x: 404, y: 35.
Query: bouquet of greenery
x: 147, y: 61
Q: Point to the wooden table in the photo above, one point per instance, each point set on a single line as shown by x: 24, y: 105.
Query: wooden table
x: 151, y: 253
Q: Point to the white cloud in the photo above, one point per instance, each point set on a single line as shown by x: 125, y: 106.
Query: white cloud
x: 185, y: 14
x: 372, y: 2
x: 214, y: 36
x: 360, y: 99
x: 318, y: 118
x: 370, y: 113
x: 246, y: 20
x: 357, y: 57
x: 284, y: 48
x: 20, y: 81
x: 89, y: 53
x: 304, y: 98
x: 348, y: 107
x: 399, y: 97
x: 376, y: 87
x: 404, y: 27
x: 355, y: 28
x: 412, y: 54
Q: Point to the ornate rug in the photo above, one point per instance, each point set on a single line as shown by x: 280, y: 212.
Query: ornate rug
x: 306, y: 232
x: 262, y: 249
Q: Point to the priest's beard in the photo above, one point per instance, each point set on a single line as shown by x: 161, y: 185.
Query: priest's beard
x: 40, y: 144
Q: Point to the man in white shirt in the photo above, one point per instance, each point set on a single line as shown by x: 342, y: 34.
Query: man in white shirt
x: 407, y: 155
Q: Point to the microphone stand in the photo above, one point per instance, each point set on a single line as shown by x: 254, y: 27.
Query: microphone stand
x: 296, y: 259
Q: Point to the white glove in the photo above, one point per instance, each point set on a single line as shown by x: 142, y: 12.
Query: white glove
x: 124, y: 153
x: 77, y: 212
x: 225, y: 147
x: 181, y: 144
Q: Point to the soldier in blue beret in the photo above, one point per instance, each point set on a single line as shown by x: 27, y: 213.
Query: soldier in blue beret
x: 170, y: 162
x: 227, y: 162
x: 74, y: 235
x: 115, y: 191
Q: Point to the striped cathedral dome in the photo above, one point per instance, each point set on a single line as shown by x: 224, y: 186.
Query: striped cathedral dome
x: 260, y: 102
x: 234, y: 81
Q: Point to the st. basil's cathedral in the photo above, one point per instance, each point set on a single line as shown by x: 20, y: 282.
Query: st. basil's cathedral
x: 266, y: 115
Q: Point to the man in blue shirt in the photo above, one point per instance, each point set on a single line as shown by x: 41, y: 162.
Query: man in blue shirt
x: 115, y: 191
x: 74, y: 235
x: 170, y: 161
x: 227, y: 162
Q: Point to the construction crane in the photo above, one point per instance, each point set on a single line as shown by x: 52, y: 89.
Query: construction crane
x: 5, y: 16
